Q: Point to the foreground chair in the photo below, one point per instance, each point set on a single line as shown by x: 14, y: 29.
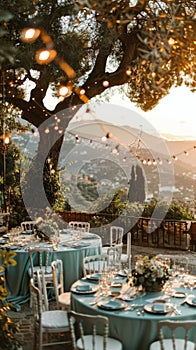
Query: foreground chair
x: 63, y: 299
x: 89, y: 338
x: 95, y: 264
x: 175, y: 342
x: 76, y: 225
x: 39, y: 259
x: 46, y: 321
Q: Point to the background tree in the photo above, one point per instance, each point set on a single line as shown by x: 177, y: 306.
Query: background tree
x: 136, y: 191
x: 146, y: 48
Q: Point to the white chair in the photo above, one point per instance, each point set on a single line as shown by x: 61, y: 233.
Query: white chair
x: 46, y: 321
x: 95, y: 264
x: 63, y: 299
x: 174, y: 342
x: 116, y: 238
x: 89, y: 338
x: 126, y: 258
x: 114, y: 255
x: 39, y: 259
x: 27, y: 226
x: 77, y: 225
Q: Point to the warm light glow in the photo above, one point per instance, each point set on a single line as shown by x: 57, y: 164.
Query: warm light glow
x: 44, y: 56
x: 128, y: 71
x: 105, y: 83
x: 6, y: 140
x: 63, y: 90
x: 30, y: 34
x: 171, y: 41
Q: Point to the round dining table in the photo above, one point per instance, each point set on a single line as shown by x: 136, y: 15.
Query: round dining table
x: 133, y: 322
x: 71, y: 249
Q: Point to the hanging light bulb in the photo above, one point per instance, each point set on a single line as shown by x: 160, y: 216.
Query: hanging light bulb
x: 45, y: 56
x: 30, y: 34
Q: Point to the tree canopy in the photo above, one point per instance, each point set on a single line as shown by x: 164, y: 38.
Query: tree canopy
x: 146, y: 46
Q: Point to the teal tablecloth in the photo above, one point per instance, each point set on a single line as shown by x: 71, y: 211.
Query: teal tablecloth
x: 135, y: 332
x: 17, y: 278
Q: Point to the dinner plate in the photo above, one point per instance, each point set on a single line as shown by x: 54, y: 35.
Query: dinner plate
x: 84, y: 289
x: 122, y: 273
x: 94, y: 277
x: 158, y: 308
x: 179, y: 295
x: 111, y: 305
x: 191, y: 300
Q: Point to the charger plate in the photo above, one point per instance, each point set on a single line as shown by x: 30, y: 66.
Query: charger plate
x: 164, y: 309
x: 112, y: 305
x: 84, y: 289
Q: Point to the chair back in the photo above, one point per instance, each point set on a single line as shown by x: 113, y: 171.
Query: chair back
x: 58, y: 280
x: 114, y: 256
x: 27, y: 226
x: 129, y: 249
x: 88, y: 325
x: 39, y: 259
x: 183, y: 327
x: 42, y: 289
x: 36, y: 300
x: 116, y: 235
x: 77, y: 225
x: 95, y: 264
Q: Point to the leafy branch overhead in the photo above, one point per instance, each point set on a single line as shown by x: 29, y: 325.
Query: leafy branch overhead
x: 145, y: 46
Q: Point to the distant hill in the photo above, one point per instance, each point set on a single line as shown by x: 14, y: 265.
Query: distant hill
x: 184, y: 150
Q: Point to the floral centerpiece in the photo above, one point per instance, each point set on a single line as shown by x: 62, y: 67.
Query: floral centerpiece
x: 47, y: 228
x: 150, y: 273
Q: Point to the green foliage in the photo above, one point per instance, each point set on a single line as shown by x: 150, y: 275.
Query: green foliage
x: 8, y: 328
x: 176, y: 210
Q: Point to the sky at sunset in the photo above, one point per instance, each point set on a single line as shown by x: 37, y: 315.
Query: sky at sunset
x: 174, y: 116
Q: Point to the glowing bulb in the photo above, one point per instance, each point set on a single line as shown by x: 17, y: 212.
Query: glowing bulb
x: 128, y: 71
x: 6, y: 140
x: 63, y: 90
x: 30, y: 34
x: 44, y: 56
x: 171, y: 41
x: 105, y: 83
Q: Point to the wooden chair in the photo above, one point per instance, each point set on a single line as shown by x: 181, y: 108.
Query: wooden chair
x: 176, y: 341
x: 126, y: 258
x: 63, y: 299
x: 27, y: 226
x: 95, y: 264
x: 46, y: 321
x: 89, y: 338
x: 116, y: 238
x: 76, y: 225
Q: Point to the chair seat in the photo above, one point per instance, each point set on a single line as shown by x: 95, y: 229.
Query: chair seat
x: 65, y: 298
x: 169, y: 346
x: 55, y: 319
x: 112, y: 344
x: 47, y: 271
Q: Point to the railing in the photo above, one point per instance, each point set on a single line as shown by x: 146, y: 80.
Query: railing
x: 173, y: 234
